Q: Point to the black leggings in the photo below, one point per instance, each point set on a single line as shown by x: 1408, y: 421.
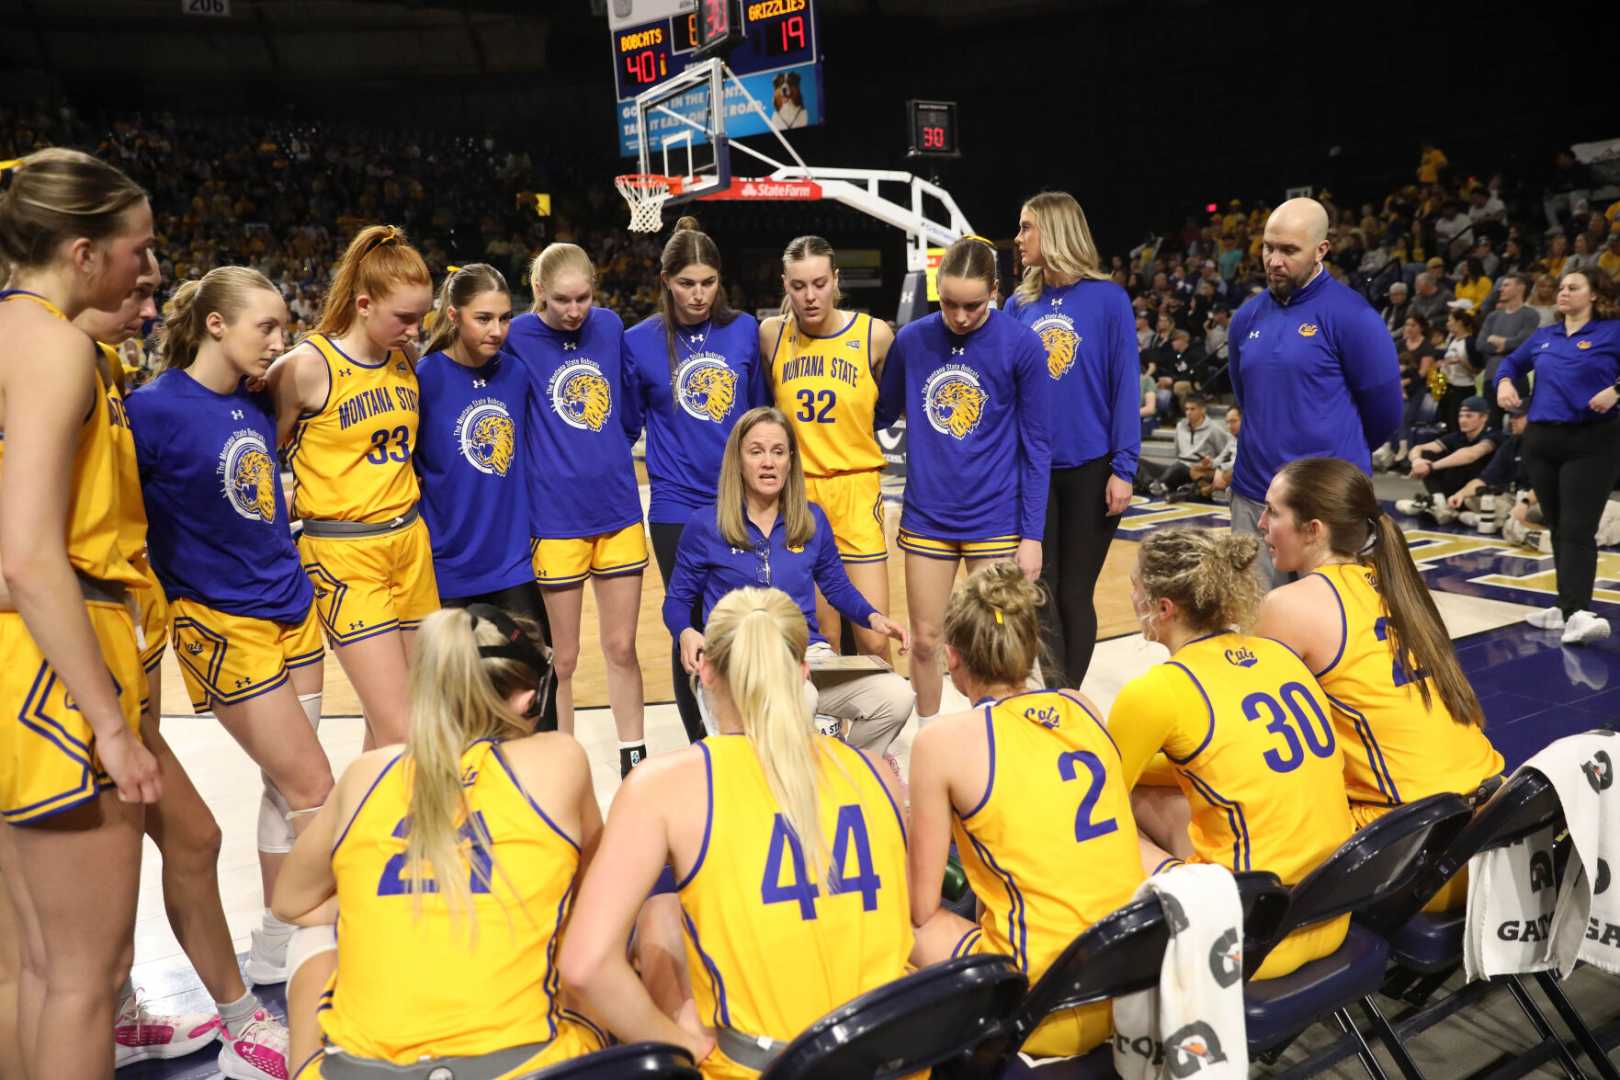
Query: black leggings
x: 1573, y: 468
x: 522, y: 600
x: 1078, y: 532
x: 666, y: 538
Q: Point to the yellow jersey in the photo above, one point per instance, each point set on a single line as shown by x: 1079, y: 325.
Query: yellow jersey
x: 1248, y: 730
x: 352, y: 458
x: 95, y: 513
x: 460, y: 988
x: 826, y: 388
x: 771, y: 950
x: 1395, y: 750
x: 1051, y: 847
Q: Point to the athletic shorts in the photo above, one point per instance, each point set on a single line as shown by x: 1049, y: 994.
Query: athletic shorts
x: 853, y: 503
x: 570, y: 560
x: 372, y: 584
x: 993, y: 547
x: 228, y: 659
x: 1453, y: 895
x: 154, y: 605
x: 47, y: 748
x: 576, y: 1037
x: 1062, y: 1034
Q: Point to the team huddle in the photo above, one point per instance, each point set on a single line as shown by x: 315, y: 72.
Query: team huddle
x: 453, y: 897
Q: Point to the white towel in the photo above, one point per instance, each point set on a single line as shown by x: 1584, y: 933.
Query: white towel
x: 1516, y: 921
x: 1194, y: 1021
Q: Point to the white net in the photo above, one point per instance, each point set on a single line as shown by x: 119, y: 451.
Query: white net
x: 645, y: 194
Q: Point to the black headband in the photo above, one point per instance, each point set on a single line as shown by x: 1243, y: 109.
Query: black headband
x: 519, y: 647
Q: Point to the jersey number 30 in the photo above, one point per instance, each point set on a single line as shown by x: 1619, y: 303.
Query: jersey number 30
x: 850, y: 833
x: 1307, y: 720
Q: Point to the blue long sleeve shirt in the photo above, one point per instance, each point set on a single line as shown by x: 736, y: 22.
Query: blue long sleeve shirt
x: 707, y: 566
x: 689, y: 405
x: 1570, y: 369
x: 978, y: 427
x: 1091, y: 357
x: 1316, y: 377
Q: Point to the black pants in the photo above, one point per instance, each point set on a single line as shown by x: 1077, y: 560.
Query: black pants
x: 1450, y: 481
x: 1078, y: 532
x: 524, y: 601
x: 1573, y: 468
x: 666, y: 538
x: 1172, y: 474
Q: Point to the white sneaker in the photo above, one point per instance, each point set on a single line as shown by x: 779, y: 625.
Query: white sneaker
x: 1584, y: 627
x: 142, y: 1035
x: 1469, y: 518
x: 1383, y: 458
x: 1442, y: 512
x: 267, y: 960
x: 1546, y: 619
x: 1414, y: 506
x: 255, y: 1051
x: 1513, y: 530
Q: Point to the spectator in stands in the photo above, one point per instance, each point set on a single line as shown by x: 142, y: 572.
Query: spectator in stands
x: 1431, y: 300
x: 1446, y: 464
x: 1394, y: 313
x: 1454, y: 231
x: 1567, y: 190
x: 1544, y: 299
x: 1582, y: 257
x: 1609, y: 259
x: 1507, y: 326
x: 1473, y: 284
x: 1198, y: 440
x: 1149, y: 411
x: 1144, y: 332
x: 1572, y: 446
x: 1214, y: 474
x: 1431, y: 163
x: 1485, y: 208
x: 1457, y: 363
x: 1415, y: 356
x: 1557, y: 255
x: 1183, y: 363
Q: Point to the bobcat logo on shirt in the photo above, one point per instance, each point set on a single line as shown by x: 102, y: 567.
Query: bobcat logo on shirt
x: 1307, y: 329
x: 487, y: 438
x: 248, y: 476
x: 706, y: 388
x: 580, y: 395
x: 1583, y: 344
x: 1057, y: 334
x: 953, y: 401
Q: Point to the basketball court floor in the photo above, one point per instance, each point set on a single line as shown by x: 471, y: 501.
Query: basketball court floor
x: 1532, y: 689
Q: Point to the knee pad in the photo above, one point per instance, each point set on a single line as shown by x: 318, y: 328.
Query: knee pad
x: 307, y: 942
x: 275, y: 832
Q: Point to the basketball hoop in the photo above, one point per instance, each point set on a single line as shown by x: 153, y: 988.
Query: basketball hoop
x: 645, y: 194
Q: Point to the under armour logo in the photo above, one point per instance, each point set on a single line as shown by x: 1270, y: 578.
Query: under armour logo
x: 696, y: 339
x: 906, y: 295
x: 344, y: 371
x: 1057, y: 301
x: 236, y: 414
x: 960, y: 350
x: 570, y: 346
x: 1253, y: 334
x: 357, y: 624
x: 477, y: 383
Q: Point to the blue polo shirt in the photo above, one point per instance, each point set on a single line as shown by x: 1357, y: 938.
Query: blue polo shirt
x: 1316, y: 376
x: 707, y: 565
x: 1569, y: 368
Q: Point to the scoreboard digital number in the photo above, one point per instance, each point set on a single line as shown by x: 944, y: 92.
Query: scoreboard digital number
x: 715, y: 26
x: 933, y: 129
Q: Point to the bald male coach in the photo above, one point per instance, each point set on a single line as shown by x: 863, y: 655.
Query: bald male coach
x: 1311, y: 364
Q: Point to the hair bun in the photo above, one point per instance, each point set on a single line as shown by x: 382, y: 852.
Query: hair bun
x: 1003, y: 587
x: 1240, y: 549
x: 687, y: 223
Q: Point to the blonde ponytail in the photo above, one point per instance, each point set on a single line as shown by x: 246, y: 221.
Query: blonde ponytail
x: 224, y: 289
x: 457, y: 698
x: 756, y: 640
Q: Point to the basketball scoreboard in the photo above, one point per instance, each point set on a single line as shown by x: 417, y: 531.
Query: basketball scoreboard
x: 773, y: 49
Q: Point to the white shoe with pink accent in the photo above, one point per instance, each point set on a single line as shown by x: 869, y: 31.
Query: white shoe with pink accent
x: 255, y: 1051
x: 142, y: 1035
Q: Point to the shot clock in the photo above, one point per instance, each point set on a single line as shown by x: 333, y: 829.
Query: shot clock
x: 933, y: 129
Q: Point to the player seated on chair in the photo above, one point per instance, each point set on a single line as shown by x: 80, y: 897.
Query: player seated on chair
x: 1197, y: 438
x: 763, y: 532
x: 449, y: 865
x: 985, y: 778
x: 1363, y: 620
x: 1251, y: 776
x: 1446, y: 464
x: 787, y: 852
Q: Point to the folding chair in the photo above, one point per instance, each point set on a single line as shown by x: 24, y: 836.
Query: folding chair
x: 1377, y: 864
x: 1427, y: 947
x: 643, y: 1060
x: 944, y: 1012
x: 1122, y: 954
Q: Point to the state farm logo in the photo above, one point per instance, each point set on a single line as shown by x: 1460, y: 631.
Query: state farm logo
x: 779, y: 189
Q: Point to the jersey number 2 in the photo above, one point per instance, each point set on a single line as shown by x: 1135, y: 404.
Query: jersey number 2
x: 1084, y: 828
x: 393, y: 883
x: 849, y: 833
x: 814, y: 405
x: 1401, y: 675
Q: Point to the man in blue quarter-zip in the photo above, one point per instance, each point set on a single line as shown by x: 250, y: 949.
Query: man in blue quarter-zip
x: 1312, y: 366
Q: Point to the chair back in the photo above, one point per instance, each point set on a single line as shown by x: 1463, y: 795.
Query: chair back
x: 641, y: 1061
x: 1379, y: 865
x: 944, y: 1012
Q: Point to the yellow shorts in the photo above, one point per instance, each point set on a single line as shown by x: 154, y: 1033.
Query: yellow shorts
x: 373, y: 584
x: 1062, y: 1034
x: 994, y: 547
x: 47, y: 748
x: 154, y: 605
x: 853, y: 503
x: 576, y: 1037
x: 227, y: 659
x: 1452, y: 896
x: 570, y: 560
